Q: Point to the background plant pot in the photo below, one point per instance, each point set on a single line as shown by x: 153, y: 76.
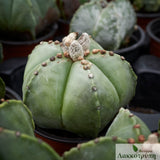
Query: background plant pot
x: 13, y: 49
x: 137, y: 46
x: 144, y: 18
x: 12, y: 71
x: 146, y: 103
x: 147, y: 68
x: 153, y: 30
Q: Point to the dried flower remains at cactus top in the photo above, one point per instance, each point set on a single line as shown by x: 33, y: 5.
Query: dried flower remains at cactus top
x: 76, y: 48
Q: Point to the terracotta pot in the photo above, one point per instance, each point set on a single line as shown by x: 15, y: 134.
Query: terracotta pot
x: 13, y: 49
x: 144, y: 18
x: 137, y: 45
x: 153, y: 30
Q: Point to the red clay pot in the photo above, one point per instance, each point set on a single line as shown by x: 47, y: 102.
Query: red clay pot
x: 153, y: 30
x: 144, y: 18
x: 12, y: 49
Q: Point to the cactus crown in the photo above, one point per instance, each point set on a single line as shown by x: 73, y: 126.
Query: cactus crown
x: 76, y: 48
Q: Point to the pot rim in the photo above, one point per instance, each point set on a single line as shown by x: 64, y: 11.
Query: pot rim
x: 149, y: 29
x: 148, y: 15
x: 12, y: 94
x: 57, y: 138
x: 46, y: 36
x: 139, y: 43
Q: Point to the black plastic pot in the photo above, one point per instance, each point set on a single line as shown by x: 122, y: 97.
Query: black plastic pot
x: 147, y: 68
x: 12, y: 71
x: 12, y: 49
x: 137, y: 46
x: 153, y: 30
x: 146, y: 103
x: 144, y: 18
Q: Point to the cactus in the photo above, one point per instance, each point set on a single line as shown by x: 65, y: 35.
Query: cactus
x: 2, y: 88
x: 121, y: 131
x: 1, y: 53
x: 102, y: 148
x: 110, y: 24
x: 76, y: 85
x: 68, y: 7
x: 24, y: 19
x: 15, y: 145
x: 14, y: 115
x: 128, y: 126
x: 146, y: 5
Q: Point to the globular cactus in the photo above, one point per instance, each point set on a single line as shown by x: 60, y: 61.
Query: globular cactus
x: 128, y: 126
x: 2, y: 88
x: 110, y: 24
x: 14, y: 115
x: 146, y: 5
x: 76, y: 85
x: 1, y: 53
x: 15, y: 145
x: 104, y: 148
x: 24, y: 19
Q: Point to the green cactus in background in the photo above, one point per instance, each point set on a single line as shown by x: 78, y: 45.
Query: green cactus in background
x: 1, y: 53
x: 76, y: 85
x: 2, y: 88
x: 68, y: 7
x: 110, y: 24
x: 24, y: 19
x: 17, y: 146
x: 126, y: 126
x: 14, y: 115
x: 122, y: 130
x: 146, y: 5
